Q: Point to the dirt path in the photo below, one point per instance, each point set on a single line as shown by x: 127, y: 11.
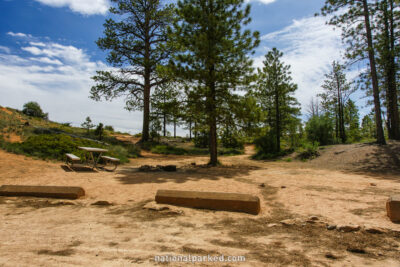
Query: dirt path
x: 53, y: 232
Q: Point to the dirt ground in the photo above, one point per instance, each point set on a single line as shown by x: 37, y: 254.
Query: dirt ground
x: 347, y: 185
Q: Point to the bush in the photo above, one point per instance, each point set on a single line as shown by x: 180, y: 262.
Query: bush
x: 201, y: 140
x: 320, y: 129
x: 229, y: 140
x: 167, y: 150
x: 33, y: 109
x: 109, y: 128
x: 310, y: 151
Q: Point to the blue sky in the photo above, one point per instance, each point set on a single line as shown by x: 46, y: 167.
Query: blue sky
x: 48, y: 54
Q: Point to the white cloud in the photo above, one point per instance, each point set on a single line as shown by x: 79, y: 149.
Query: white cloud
x: 309, y: 46
x: 5, y: 49
x: 58, y: 77
x: 86, y: 7
x: 19, y: 34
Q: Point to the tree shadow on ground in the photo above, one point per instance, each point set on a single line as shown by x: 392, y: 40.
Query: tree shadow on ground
x: 183, y: 174
x: 369, y: 159
x: 77, y: 169
x: 382, y: 162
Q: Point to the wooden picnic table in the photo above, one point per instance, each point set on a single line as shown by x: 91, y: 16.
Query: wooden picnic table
x: 94, y: 154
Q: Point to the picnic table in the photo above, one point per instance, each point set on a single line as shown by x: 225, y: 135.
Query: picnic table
x: 92, y: 158
x: 93, y: 155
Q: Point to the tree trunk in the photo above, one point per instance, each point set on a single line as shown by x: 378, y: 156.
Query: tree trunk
x: 277, y: 121
x: 164, y: 125
x: 147, y: 84
x: 213, y: 126
x: 190, y: 130
x: 390, y: 69
x: 371, y: 53
x: 174, y: 128
x: 146, y: 110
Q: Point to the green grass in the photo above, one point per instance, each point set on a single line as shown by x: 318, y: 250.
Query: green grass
x: 55, y: 146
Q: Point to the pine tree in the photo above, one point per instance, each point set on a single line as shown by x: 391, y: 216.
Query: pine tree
x: 387, y: 36
x: 212, y: 56
x: 136, y: 45
x: 164, y: 103
x: 275, y: 94
x: 355, y: 22
x: 352, y: 121
x: 87, y: 124
x: 335, y: 96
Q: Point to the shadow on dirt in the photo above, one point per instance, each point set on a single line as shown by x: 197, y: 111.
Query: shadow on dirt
x: 183, y: 174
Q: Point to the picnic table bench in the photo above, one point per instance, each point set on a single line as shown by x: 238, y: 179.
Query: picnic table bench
x: 71, y: 159
x: 112, y: 160
x: 92, y: 158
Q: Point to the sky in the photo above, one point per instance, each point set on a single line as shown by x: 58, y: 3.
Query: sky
x: 48, y: 54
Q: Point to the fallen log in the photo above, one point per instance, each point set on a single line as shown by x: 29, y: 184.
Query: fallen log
x: 210, y: 200
x: 67, y: 192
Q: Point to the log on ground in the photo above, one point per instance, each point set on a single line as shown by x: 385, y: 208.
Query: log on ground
x: 210, y: 200
x: 67, y: 192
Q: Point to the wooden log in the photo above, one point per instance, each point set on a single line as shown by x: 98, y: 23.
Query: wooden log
x: 67, y: 192
x: 393, y: 208
x: 210, y: 200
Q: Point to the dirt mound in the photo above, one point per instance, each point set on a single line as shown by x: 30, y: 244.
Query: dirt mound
x: 368, y: 158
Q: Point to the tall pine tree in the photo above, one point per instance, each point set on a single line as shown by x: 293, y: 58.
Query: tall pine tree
x: 212, y: 56
x: 335, y: 96
x: 354, y: 19
x: 136, y: 45
x: 275, y: 94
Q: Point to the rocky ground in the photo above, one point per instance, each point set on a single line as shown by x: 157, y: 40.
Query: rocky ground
x: 327, y: 212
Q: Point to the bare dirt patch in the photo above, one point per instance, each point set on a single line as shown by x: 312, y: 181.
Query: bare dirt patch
x: 55, y: 232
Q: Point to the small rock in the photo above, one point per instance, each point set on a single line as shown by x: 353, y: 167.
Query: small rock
x: 330, y: 256
x: 372, y: 184
x: 67, y: 203
x: 288, y: 222
x: 173, y: 212
x: 262, y: 185
x: 101, y: 203
x: 193, y: 163
x: 272, y: 225
x: 313, y: 218
x: 331, y: 227
x: 283, y: 187
x: 374, y: 230
x: 348, y: 228
x: 154, y: 206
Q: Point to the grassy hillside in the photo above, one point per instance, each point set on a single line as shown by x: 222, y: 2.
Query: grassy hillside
x: 45, y: 139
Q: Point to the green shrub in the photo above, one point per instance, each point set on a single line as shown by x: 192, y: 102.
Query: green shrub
x: 167, y: 150
x: 310, y: 151
x: 55, y: 146
x: 320, y: 129
x: 33, y: 109
x: 232, y: 140
x: 201, y: 140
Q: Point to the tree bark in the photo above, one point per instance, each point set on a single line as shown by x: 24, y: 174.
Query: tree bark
x: 174, y: 128
x: 147, y: 82
x: 165, y: 124
x: 213, y: 126
x: 190, y: 130
x: 371, y: 53
x: 277, y: 121
x: 390, y: 71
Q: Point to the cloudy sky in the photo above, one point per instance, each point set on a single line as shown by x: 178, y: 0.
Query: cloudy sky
x: 48, y: 54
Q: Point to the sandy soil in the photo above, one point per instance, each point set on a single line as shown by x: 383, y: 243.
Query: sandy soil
x: 46, y: 232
